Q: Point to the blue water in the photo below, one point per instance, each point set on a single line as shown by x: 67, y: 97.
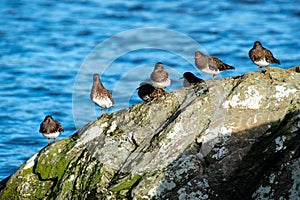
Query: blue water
x: 50, y: 49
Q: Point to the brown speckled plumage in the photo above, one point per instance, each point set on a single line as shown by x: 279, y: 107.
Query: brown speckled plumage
x: 159, y: 77
x: 147, y: 92
x: 261, y: 56
x: 210, y: 64
x: 50, y: 128
x: 100, y: 95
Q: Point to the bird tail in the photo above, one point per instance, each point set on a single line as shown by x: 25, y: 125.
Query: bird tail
x: 229, y: 66
x: 276, y: 61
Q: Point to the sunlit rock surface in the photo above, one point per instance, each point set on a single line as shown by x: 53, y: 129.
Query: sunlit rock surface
x: 233, y: 138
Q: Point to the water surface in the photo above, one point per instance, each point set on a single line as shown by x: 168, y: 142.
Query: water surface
x: 46, y: 46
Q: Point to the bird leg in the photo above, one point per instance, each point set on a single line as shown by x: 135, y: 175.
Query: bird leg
x: 214, y: 76
x: 48, y: 141
x: 102, y: 114
x: 266, y: 67
x: 165, y: 91
x: 106, y: 112
x: 260, y: 68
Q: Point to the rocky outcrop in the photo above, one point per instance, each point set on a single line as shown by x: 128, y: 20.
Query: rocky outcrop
x: 234, y: 138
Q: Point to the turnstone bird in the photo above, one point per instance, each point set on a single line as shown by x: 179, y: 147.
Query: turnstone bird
x: 191, y: 79
x: 261, y: 56
x: 210, y: 64
x: 147, y: 92
x: 101, y: 96
x: 50, y: 128
x: 159, y: 77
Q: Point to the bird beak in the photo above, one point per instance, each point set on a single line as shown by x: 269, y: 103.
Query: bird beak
x: 181, y: 78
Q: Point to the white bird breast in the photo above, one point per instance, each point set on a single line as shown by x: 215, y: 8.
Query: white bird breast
x: 161, y: 84
x: 51, y: 135
x: 262, y: 62
x: 209, y: 71
x: 103, y: 102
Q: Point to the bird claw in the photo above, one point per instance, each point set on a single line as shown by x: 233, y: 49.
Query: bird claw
x: 101, y: 116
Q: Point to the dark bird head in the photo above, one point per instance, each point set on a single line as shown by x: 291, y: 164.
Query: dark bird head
x: 191, y: 78
x: 159, y: 65
x: 145, y: 91
x: 96, y: 77
x: 198, y: 54
x: 189, y: 75
x: 48, y: 118
x: 257, y: 44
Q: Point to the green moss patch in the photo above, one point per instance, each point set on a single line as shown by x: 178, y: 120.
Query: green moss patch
x: 26, y: 185
x: 125, y: 183
x: 53, y: 160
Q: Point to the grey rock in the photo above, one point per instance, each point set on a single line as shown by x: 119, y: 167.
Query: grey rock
x: 234, y: 138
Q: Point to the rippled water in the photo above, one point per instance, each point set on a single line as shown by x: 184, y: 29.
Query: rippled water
x: 47, y: 60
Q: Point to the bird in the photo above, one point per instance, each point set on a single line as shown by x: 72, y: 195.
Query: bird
x: 191, y: 79
x: 147, y: 92
x: 159, y: 77
x: 50, y: 128
x: 210, y: 64
x: 100, y: 95
x: 261, y: 56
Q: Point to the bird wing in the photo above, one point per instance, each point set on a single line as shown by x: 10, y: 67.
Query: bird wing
x: 109, y: 95
x: 57, y: 126
x: 251, y: 54
x: 199, y: 80
x: 256, y: 54
x: 156, y: 92
x: 269, y: 56
x: 212, y: 63
x: 51, y: 127
x: 192, y: 79
x: 145, y: 90
x: 220, y: 65
x: 42, y: 128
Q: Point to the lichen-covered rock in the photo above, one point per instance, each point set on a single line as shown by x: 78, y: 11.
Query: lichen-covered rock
x: 234, y: 138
